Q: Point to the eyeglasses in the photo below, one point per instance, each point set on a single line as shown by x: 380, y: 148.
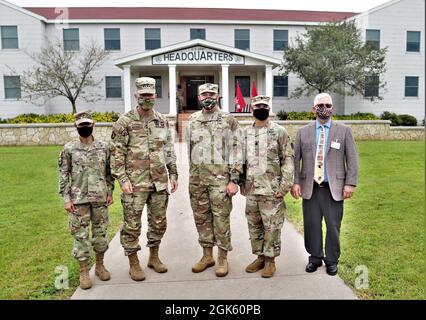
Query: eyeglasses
x: 322, y: 105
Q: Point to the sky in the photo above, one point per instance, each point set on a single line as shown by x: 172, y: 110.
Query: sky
x: 316, y: 5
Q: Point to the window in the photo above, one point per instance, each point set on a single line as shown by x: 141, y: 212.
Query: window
x: 372, y: 38
x: 12, y: 87
x: 112, y: 39
x: 244, y: 82
x: 280, y: 40
x: 9, y: 37
x: 413, y: 41
x: 411, y: 86
x: 280, y: 86
x: 158, y: 86
x: 71, y: 40
x: 113, y: 87
x: 242, y: 39
x: 152, y: 39
x: 371, y: 86
x: 198, y: 34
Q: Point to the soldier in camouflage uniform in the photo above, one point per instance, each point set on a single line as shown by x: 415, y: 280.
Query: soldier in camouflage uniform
x: 214, y: 176
x: 268, y: 175
x: 86, y: 184
x: 141, y: 151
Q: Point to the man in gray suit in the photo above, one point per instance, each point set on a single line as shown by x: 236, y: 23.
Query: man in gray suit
x: 325, y: 173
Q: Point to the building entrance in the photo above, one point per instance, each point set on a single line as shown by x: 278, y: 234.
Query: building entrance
x: 188, y: 91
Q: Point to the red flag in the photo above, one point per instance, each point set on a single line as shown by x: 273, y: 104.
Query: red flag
x: 240, y: 99
x: 253, y: 90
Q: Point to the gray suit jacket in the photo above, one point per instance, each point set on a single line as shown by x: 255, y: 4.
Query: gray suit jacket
x: 342, y: 164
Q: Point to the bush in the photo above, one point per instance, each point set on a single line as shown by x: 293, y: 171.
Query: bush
x: 59, y: 118
x: 399, y: 120
x: 356, y: 116
x: 393, y: 117
x: 293, y: 115
x: 408, y: 120
x: 105, y: 116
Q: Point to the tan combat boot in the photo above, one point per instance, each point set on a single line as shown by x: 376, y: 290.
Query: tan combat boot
x: 85, y: 282
x: 256, y: 265
x: 136, y: 272
x: 222, y: 268
x: 205, y: 262
x: 100, y: 269
x: 155, y: 262
x: 269, y: 269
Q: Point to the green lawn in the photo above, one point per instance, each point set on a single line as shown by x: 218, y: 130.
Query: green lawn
x: 34, y: 236
x: 384, y: 224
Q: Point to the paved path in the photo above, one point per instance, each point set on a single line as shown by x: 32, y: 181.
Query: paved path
x: 180, y: 250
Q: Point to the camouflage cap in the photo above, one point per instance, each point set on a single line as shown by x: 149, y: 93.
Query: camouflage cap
x: 145, y: 85
x: 83, y: 117
x: 260, y: 99
x: 208, y: 87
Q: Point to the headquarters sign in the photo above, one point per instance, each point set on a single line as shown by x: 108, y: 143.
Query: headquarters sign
x: 197, y: 55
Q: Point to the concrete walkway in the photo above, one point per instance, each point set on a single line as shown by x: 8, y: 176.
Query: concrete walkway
x: 180, y: 250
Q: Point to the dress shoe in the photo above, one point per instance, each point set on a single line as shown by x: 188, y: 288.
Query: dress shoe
x: 332, y: 269
x: 312, y: 267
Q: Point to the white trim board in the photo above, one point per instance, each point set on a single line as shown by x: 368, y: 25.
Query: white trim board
x: 176, y: 21
x: 186, y: 44
x: 22, y: 10
x: 372, y: 10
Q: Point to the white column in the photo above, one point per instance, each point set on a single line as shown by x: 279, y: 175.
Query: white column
x: 127, y: 82
x: 172, y: 89
x: 259, y: 82
x: 268, y: 83
x: 225, y: 87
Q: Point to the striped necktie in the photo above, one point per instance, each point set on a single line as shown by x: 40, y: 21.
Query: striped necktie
x: 319, y: 157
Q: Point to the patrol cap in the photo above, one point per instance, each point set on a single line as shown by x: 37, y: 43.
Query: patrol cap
x: 260, y: 99
x: 145, y: 85
x: 208, y: 87
x: 83, y: 117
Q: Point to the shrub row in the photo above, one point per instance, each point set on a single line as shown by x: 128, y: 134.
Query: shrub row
x: 397, y: 120
x: 304, y: 115
x: 59, y: 118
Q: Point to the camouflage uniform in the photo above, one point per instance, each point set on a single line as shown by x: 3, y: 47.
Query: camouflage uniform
x: 212, y: 154
x: 269, y: 168
x: 85, y: 180
x: 141, y: 149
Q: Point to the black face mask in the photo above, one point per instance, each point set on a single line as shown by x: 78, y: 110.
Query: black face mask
x: 261, y: 114
x: 208, y: 103
x: 85, y: 131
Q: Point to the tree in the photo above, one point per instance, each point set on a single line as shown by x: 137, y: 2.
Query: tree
x: 333, y: 58
x: 58, y: 72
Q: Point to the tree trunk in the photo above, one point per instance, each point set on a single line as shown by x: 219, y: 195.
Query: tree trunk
x: 74, y: 109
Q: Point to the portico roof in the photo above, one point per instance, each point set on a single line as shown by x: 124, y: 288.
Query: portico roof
x: 134, y: 58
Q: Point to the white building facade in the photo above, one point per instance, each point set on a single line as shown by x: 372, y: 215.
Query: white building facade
x: 185, y: 47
